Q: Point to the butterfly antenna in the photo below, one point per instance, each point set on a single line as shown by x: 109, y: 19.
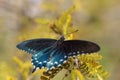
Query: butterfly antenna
x: 72, y: 32
x: 62, y: 38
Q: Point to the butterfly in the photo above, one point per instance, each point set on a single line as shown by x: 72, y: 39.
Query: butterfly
x: 52, y: 53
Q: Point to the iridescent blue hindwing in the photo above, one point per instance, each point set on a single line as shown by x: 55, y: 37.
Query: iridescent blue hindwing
x: 40, y: 59
x: 45, y: 60
x: 57, y: 60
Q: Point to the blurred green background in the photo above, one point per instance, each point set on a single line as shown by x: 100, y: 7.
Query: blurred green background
x: 96, y: 20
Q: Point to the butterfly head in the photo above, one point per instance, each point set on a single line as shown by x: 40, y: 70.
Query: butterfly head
x: 62, y: 38
x: 59, y: 42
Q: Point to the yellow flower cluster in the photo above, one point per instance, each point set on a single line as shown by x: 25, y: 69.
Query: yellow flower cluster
x: 89, y: 67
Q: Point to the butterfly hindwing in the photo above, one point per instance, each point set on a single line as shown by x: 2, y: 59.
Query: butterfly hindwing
x: 57, y: 60
x: 45, y: 59
x: 40, y: 59
x: 35, y: 45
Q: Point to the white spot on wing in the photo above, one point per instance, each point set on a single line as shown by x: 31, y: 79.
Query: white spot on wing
x: 74, y: 53
x: 52, y: 67
x: 42, y: 67
x: 65, y: 61
x: 35, y: 58
x: 40, y: 62
x: 36, y: 55
x: 44, y: 61
x: 65, y: 56
x: 61, y: 60
x: 51, y: 63
x: 59, y: 65
x: 56, y: 62
x: 37, y: 68
x: 74, y: 56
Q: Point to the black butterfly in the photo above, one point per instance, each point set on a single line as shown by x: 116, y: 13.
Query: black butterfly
x: 51, y: 53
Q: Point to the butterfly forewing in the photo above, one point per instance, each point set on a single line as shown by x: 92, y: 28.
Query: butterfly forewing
x: 80, y: 47
x: 35, y: 45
